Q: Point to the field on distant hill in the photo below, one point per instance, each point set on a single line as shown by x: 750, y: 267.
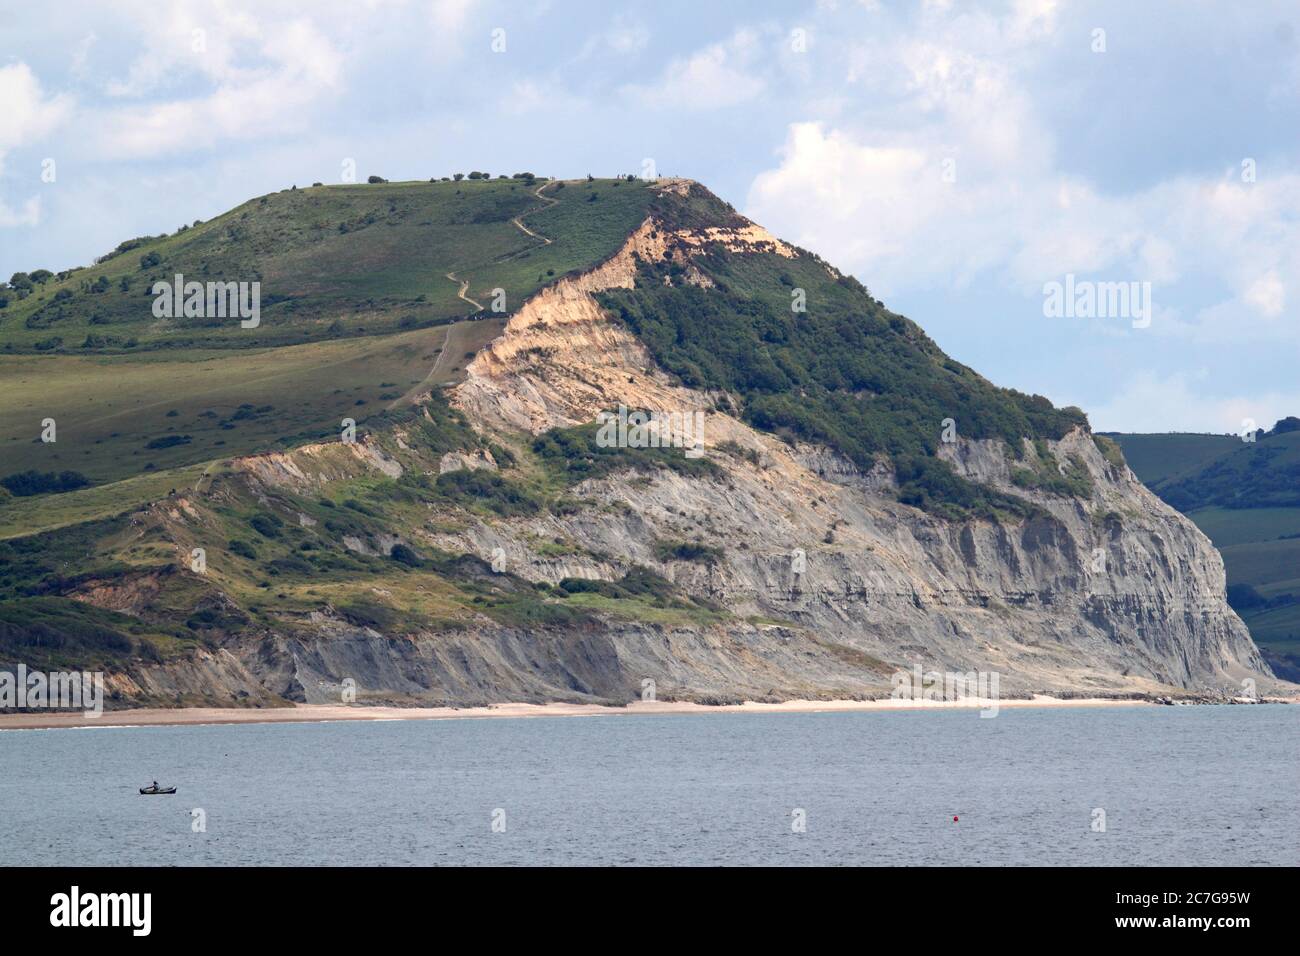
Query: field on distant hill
x: 1245, y: 496
x: 1157, y: 458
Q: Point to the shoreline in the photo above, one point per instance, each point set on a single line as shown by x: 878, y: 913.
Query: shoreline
x: 316, y: 713
x: 322, y: 713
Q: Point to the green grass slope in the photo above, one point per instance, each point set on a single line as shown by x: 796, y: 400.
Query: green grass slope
x: 332, y: 261
x: 1156, y: 458
x: 1245, y: 496
x: 357, y: 313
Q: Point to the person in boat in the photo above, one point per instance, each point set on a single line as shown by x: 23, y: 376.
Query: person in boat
x: 155, y: 785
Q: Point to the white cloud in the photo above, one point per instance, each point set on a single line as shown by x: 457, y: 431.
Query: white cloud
x: 265, y: 76
x: 1267, y: 294
x: 448, y: 19
x: 28, y: 215
x: 1188, y: 402
x: 717, y: 76
x: 29, y: 113
x: 953, y: 175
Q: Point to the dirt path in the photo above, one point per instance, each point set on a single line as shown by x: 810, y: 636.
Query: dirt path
x: 207, y: 473
x: 464, y: 287
x: 518, y: 220
x: 430, y: 380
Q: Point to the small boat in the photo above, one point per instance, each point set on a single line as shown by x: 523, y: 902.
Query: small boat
x: 157, y: 791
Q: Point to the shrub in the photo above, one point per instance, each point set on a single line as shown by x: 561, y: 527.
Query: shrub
x: 169, y: 441
x: 266, y: 524
x: 405, y: 555
x: 242, y: 548
x: 687, y: 551
x: 27, y: 483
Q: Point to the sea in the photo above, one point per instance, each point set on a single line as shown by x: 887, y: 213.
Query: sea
x: 1110, y: 786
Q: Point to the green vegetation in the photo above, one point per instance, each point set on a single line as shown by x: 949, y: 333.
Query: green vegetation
x: 361, y: 259
x: 847, y: 372
x: 1111, y: 451
x: 1045, y: 474
x: 111, y: 409
x: 640, y: 594
x: 932, y: 486
x: 38, y: 483
x: 479, y: 488
x: 572, y: 455
x: 357, y: 315
x: 1157, y: 457
x: 1245, y: 496
x: 56, y: 634
x: 687, y: 551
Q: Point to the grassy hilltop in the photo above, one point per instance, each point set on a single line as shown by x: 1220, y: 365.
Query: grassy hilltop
x: 356, y: 310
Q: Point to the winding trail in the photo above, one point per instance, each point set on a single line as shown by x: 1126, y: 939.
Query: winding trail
x: 518, y: 220
x: 518, y: 223
x: 464, y: 287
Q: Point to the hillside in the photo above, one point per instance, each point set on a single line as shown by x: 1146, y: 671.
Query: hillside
x: 204, y: 530
x: 1245, y: 496
x: 361, y: 302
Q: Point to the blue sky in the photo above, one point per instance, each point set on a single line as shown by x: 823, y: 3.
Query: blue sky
x: 954, y: 157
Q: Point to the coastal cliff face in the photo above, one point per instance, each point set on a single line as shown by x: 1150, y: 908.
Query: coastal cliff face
x: 1111, y: 593
x: 803, y: 574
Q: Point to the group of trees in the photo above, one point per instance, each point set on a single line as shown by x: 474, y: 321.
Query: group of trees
x: 474, y: 174
x: 28, y: 483
x: 23, y: 284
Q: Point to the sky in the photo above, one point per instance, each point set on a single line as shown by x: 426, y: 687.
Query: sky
x: 957, y: 158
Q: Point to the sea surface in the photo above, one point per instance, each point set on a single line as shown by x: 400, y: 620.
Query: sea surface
x: 1178, y: 785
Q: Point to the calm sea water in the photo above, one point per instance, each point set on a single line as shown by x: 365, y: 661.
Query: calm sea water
x: 1194, y: 785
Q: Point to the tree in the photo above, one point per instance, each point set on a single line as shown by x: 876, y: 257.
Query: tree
x: 42, y: 275
x: 459, y: 176
x: 376, y: 179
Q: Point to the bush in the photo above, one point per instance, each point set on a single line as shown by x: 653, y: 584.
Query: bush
x: 468, y: 487
x: 266, y: 524
x: 168, y: 441
x: 29, y: 483
x: 687, y: 551
x: 404, y: 555
x: 243, y: 549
